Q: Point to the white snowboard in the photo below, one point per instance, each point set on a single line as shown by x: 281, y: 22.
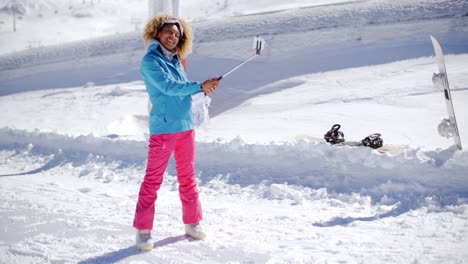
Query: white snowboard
x: 440, y: 81
x: 386, y: 148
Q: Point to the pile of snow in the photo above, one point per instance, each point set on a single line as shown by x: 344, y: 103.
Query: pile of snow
x: 251, y: 215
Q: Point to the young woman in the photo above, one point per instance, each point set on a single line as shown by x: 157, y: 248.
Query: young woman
x: 169, y: 39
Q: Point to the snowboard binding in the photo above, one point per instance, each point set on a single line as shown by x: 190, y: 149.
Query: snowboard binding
x: 334, y: 136
x: 374, y: 141
x: 446, y: 128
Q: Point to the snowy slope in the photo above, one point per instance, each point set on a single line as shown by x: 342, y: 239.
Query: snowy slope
x: 384, y: 98
x: 41, y: 23
x: 73, y: 130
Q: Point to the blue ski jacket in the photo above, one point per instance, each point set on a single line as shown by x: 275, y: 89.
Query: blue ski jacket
x: 169, y: 90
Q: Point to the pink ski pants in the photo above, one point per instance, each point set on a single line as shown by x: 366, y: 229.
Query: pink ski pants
x: 160, y: 149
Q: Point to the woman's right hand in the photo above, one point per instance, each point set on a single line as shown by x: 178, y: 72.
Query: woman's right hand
x: 210, y: 85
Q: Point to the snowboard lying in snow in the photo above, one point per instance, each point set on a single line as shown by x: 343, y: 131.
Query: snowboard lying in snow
x: 336, y: 138
x: 386, y: 148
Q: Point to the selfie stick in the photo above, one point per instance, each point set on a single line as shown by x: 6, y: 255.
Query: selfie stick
x: 258, y: 45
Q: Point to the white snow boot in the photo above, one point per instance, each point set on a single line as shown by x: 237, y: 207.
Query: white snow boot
x: 195, y: 231
x: 144, y: 242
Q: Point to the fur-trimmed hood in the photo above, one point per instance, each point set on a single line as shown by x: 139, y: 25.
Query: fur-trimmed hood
x: 184, y: 47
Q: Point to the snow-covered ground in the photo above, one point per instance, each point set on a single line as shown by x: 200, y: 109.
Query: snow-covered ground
x: 73, y: 130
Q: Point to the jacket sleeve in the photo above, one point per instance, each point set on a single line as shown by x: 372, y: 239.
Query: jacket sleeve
x: 164, y: 82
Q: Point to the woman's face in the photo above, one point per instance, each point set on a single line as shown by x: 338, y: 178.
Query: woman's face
x: 168, y: 36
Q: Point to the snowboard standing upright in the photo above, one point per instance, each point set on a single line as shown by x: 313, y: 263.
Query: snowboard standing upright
x: 448, y: 127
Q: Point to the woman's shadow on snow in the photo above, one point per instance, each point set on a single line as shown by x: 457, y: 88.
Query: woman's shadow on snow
x: 116, y: 256
x: 405, y: 204
x: 343, y: 221
x: 55, y: 162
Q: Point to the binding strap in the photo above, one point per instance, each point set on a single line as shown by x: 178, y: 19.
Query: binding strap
x: 334, y: 136
x: 374, y: 141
